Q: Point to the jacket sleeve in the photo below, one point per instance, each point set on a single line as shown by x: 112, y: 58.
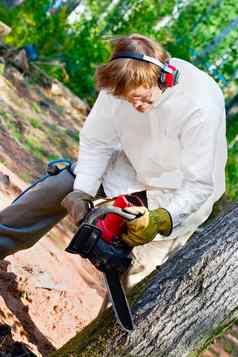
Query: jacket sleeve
x: 98, y: 140
x: 200, y: 155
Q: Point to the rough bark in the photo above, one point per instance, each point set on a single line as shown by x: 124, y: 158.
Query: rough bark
x: 179, y: 308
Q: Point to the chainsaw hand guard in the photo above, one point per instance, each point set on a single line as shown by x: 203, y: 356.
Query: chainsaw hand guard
x: 87, y: 242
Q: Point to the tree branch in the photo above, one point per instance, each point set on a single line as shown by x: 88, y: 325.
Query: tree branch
x: 179, y: 308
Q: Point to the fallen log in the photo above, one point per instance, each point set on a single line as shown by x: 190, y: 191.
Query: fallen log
x: 178, y: 309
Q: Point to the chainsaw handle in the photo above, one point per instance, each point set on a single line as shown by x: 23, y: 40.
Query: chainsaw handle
x: 96, y: 213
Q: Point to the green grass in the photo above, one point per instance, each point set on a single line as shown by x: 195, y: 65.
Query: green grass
x: 35, y: 107
x: 14, y: 130
x: 25, y: 176
x: 74, y: 134
x: 35, y: 148
x: 52, y: 157
x: 2, y: 67
x: 4, y: 114
x: 35, y: 123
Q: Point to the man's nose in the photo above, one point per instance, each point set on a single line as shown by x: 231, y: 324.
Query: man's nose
x: 137, y: 103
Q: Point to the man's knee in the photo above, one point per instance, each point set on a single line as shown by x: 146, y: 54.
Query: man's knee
x: 34, y: 213
x: 49, y: 190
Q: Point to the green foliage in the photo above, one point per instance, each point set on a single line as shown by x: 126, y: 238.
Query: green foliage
x: 31, y: 25
x: 199, y: 35
x: 81, y: 47
x: 232, y: 163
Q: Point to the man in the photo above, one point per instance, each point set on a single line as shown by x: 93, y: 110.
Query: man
x: 151, y: 131
x: 148, y: 132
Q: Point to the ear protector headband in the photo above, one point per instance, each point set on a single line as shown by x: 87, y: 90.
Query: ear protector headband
x: 169, y: 74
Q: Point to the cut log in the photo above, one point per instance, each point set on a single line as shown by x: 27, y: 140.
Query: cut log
x: 179, y: 308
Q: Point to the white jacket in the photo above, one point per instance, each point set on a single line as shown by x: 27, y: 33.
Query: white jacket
x: 177, y: 151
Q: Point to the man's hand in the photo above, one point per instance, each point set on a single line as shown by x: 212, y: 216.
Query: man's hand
x: 144, y: 229
x: 77, y: 205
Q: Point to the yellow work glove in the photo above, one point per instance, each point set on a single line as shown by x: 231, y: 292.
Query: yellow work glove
x: 144, y: 229
x: 77, y: 204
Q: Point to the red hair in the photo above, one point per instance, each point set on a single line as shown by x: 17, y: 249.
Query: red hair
x: 121, y: 75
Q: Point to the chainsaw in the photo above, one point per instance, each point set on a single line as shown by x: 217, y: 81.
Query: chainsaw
x: 98, y: 239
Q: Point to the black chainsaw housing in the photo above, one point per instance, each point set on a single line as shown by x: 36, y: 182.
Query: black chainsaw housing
x: 88, y: 243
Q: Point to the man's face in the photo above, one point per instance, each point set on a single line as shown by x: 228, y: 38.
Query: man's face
x: 142, y: 99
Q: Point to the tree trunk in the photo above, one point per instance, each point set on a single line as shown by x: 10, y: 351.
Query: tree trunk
x: 219, y: 38
x: 232, y: 103
x: 179, y: 308
x: 11, y: 3
x: 72, y: 5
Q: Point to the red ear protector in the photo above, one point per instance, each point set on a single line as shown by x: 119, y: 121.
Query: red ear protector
x: 169, y: 74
